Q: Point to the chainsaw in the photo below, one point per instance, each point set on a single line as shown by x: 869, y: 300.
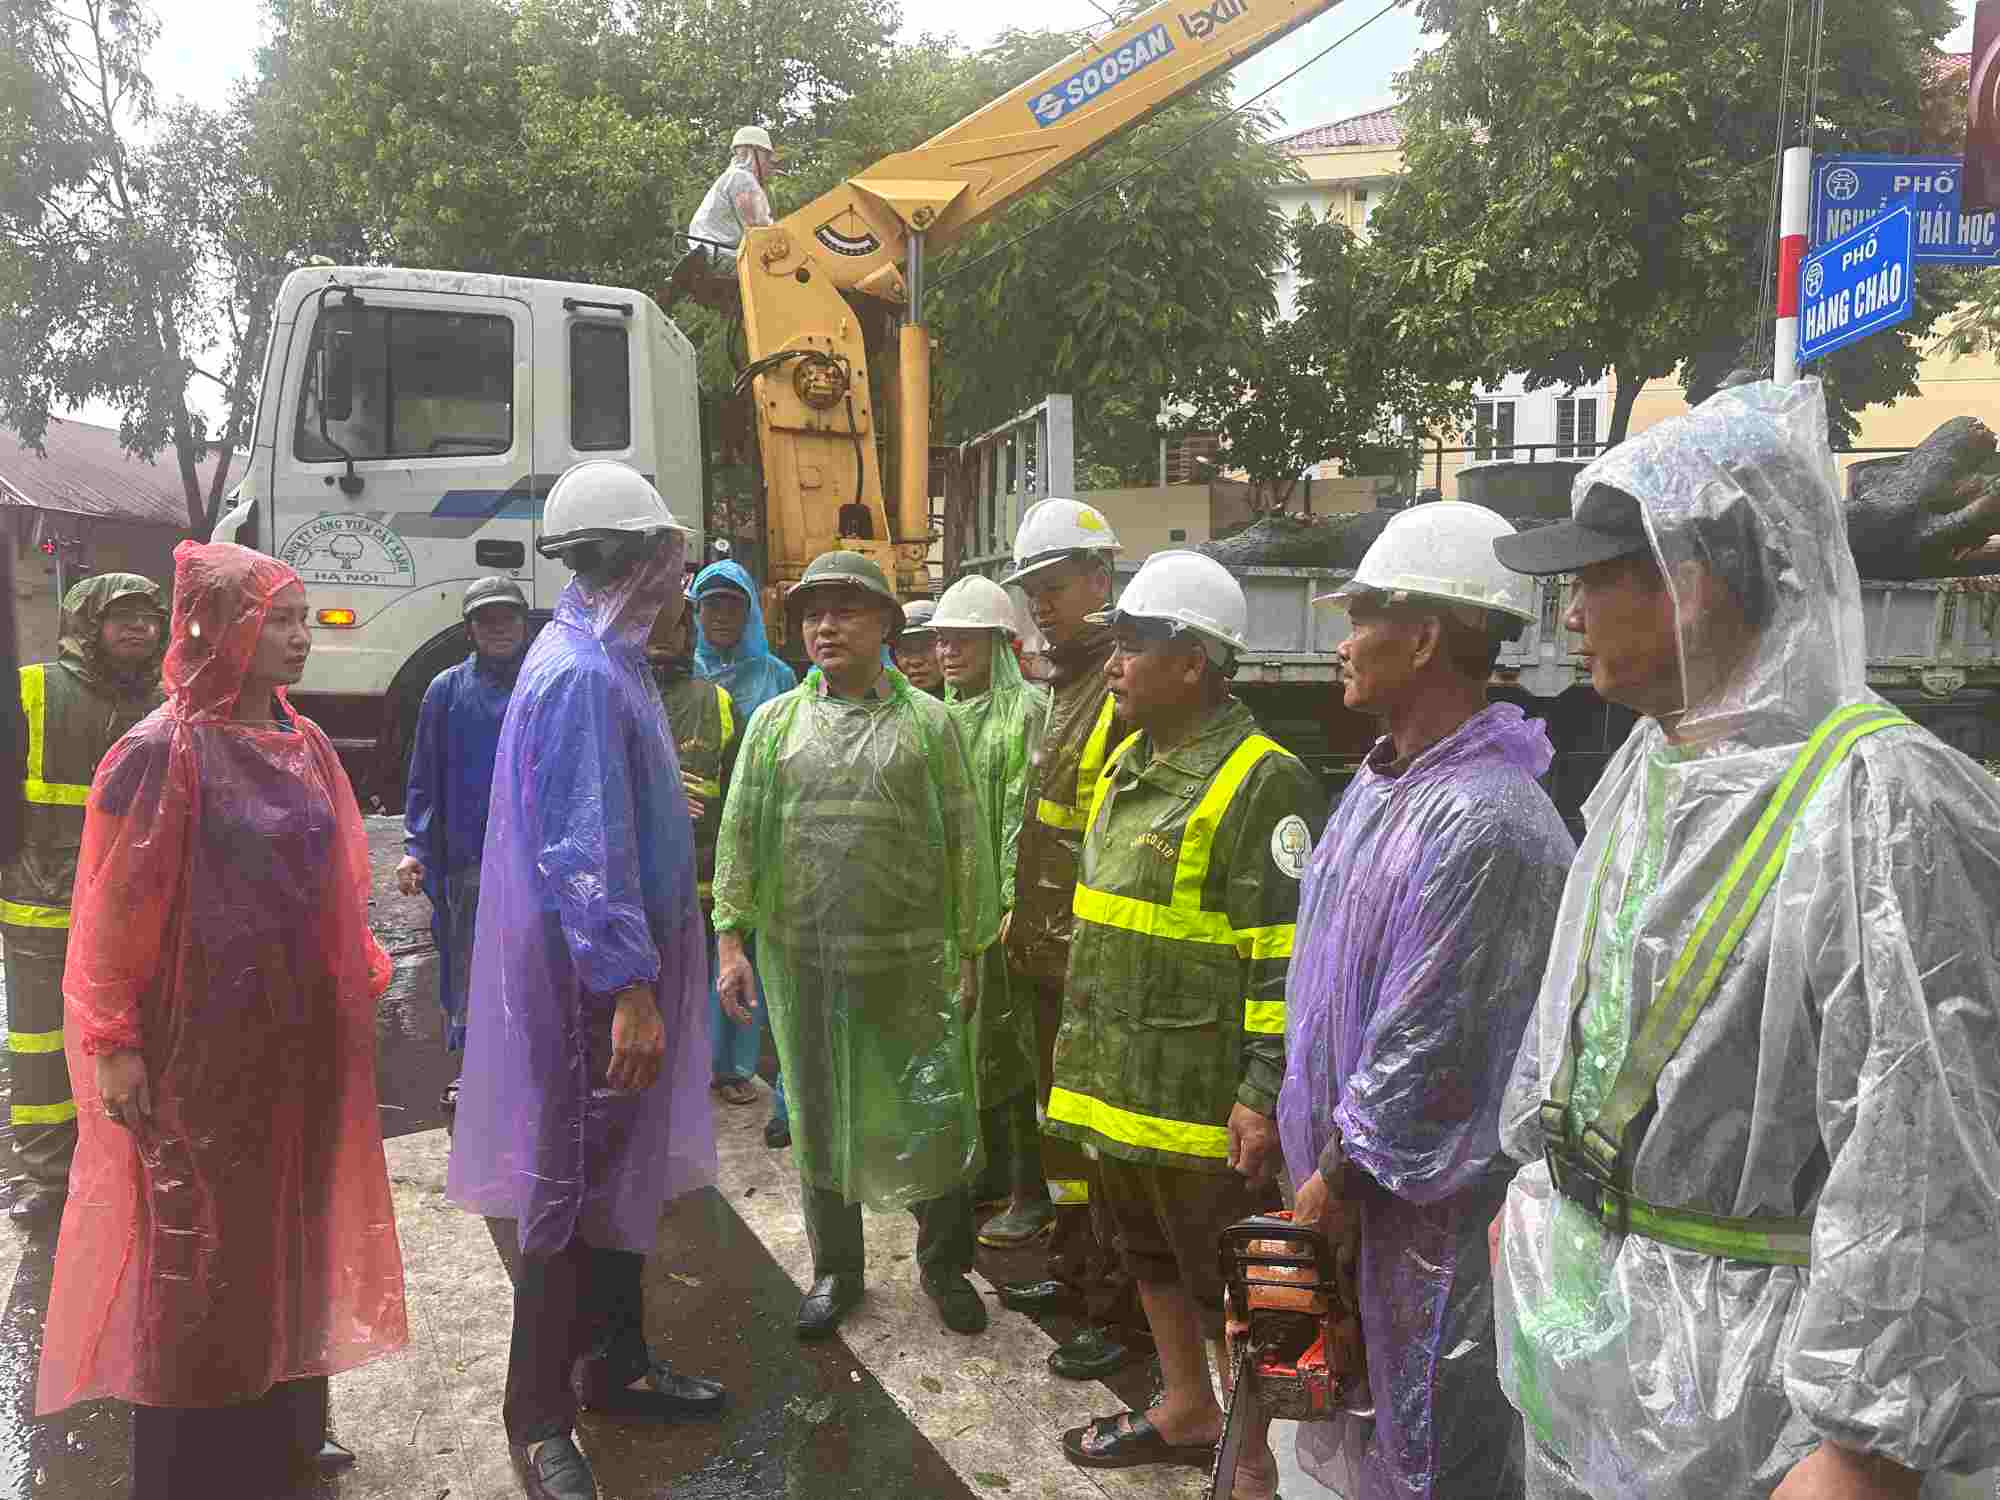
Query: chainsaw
x: 1294, y: 1332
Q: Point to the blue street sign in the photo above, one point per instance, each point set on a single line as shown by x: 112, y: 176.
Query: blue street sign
x: 1858, y: 285
x: 1848, y: 191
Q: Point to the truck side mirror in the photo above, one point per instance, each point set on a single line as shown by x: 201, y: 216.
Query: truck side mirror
x: 336, y: 366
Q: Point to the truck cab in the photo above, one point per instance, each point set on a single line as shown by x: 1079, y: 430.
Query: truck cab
x: 409, y: 426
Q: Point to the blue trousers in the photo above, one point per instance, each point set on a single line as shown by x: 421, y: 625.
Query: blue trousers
x: 737, y: 1044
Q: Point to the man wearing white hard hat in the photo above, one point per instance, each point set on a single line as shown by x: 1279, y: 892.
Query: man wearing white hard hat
x: 584, y: 1104
x: 736, y: 201
x: 998, y: 712
x: 1427, y: 914
x: 1172, y: 1045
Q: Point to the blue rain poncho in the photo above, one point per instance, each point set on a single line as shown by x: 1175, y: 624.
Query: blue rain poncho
x: 587, y: 887
x: 1424, y: 921
x: 1846, y: 1067
x: 444, y: 809
x: 748, y: 671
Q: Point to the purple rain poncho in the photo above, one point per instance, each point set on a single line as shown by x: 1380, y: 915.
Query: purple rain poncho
x: 587, y: 887
x: 1424, y: 921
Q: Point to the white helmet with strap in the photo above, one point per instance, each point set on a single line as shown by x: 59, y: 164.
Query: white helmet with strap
x: 752, y: 135
x: 1441, y: 551
x: 1192, y: 592
x: 602, y: 500
x: 1055, y: 530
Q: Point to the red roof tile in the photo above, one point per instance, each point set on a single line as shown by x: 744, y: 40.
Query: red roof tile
x: 1376, y: 128
x: 86, y: 473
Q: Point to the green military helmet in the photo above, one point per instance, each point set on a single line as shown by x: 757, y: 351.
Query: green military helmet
x: 484, y: 591
x: 850, y: 569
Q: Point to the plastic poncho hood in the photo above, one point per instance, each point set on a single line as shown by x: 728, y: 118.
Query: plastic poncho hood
x: 587, y: 887
x: 748, y: 672
x: 81, y: 646
x: 1424, y: 921
x: 1846, y: 1067
x: 246, y: 1234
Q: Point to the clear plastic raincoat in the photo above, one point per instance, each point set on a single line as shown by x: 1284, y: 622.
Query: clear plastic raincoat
x: 996, y: 727
x: 245, y: 1234
x: 748, y: 671
x: 1424, y: 923
x: 1847, y: 1067
x: 587, y: 888
x: 852, y: 845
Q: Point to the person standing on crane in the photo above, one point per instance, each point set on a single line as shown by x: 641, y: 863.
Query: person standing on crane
x: 451, y: 783
x: 1752, y: 1252
x: 105, y: 679
x: 1172, y: 1048
x: 736, y: 201
x: 1062, y: 562
x: 1424, y: 923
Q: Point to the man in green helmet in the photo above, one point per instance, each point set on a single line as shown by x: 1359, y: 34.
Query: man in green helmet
x: 105, y: 679
x: 852, y: 846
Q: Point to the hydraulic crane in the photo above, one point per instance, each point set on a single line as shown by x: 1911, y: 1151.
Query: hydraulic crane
x: 853, y: 260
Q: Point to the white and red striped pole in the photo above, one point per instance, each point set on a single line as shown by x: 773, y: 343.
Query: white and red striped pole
x: 1793, y: 210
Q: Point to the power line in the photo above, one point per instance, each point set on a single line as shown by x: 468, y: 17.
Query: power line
x: 1173, y: 150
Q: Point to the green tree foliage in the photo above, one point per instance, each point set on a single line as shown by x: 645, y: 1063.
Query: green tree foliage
x: 1588, y: 185
x: 1332, y: 383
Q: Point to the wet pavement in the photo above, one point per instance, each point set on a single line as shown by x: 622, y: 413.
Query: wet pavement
x: 895, y: 1406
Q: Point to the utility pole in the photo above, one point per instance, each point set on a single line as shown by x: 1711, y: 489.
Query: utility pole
x: 1794, y: 208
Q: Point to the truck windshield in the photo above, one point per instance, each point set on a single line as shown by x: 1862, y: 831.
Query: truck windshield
x: 423, y: 384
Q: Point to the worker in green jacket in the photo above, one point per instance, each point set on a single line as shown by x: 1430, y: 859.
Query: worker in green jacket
x: 105, y: 679
x: 1172, y: 1048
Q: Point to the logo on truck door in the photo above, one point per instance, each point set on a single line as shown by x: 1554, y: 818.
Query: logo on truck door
x: 349, y: 550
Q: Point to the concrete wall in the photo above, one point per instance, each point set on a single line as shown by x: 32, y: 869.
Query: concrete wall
x: 1146, y: 518
x: 108, y: 547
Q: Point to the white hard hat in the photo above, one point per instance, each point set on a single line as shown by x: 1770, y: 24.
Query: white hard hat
x: 1193, y: 592
x: 974, y: 603
x: 1055, y: 529
x: 1442, y: 550
x: 599, y: 500
x: 917, y: 617
x: 752, y: 135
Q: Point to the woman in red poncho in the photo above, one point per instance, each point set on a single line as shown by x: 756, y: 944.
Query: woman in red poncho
x: 229, y: 1240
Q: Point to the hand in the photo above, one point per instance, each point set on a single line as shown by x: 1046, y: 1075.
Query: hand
x: 122, y: 1085
x: 696, y: 807
x: 735, y: 984
x: 1310, y: 1202
x: 638, y: 1041
x: 968, y: 988
x: 410, y: 875
x: 1831, y: 1472
x: 1253, y: 1143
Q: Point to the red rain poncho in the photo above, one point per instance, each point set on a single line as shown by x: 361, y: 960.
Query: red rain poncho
x: 245, y: 1234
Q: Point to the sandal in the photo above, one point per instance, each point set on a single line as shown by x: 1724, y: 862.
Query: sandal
x: 1128, y: 1441
x: 738, y: 1091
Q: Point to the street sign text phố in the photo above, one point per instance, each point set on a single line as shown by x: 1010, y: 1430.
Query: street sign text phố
x: 1858, y: 285
x: 1850, y: 191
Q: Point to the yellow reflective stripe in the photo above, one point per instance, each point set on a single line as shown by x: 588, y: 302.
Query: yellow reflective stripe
x: 34, y: 704
x: 24, y: 914
x: 1151, y: 919
x: 1198, y: 840
x: 728, y: 715
x: 42, y: 1114
x: 1146, y: 1131
x: 1068, y: 1191
x: 1089, y: 774
x: 707, y: 889
x: 1266, y: 1017
x: 1055, y: 815
x: 34, y: 1041
x: 1266, y: 942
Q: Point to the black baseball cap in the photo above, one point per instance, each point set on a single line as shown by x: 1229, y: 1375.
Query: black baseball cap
x: 1607, y: 525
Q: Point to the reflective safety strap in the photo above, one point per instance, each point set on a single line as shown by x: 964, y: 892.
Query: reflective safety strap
x: 1133, y: 1129
x: 1761, y: 1240
x: 26, y: 914
x: 728, y: 709
x: 1266, y: 1017
x: 42, y: 1114
x: 34, y: 1041
x: 1089, y: 774
x: 1068, y: 1192
x: 34, y: 705
x: 707, y: 890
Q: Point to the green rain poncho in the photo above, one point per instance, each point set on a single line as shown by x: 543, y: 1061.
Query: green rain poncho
x: 996, y: 727
x: 852, y: 845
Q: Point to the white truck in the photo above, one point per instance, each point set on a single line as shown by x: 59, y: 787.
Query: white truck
x: 409, y: 425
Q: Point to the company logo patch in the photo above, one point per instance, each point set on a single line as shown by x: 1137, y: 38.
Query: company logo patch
x: 1291, y: 845
x: 1096, y: 79
x: 349, y: 550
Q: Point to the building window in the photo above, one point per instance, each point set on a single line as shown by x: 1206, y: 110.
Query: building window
x: 600, y: 387
x: 1493, y: 430
x: 407, y: 383
x: 1576, y: 427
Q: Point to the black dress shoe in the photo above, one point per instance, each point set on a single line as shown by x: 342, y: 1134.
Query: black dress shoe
x: 778, y: 1134
x: 826, y: 1304
x: 1039, y: 1296
x: 36, y: 1205
x: 664, y: 1396
x: 958, y: 1303
x: 557, y: 1470
x: 1091, y: 1355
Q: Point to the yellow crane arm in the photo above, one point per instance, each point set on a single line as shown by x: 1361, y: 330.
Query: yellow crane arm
x: 806, y: 280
